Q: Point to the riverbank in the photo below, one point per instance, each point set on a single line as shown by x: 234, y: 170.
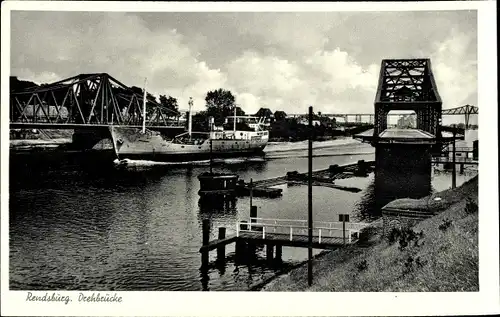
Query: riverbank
x: 437, y: 254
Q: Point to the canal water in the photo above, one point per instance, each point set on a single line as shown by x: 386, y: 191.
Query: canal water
x: 78, y: 224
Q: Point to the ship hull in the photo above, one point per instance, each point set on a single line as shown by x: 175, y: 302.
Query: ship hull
x: 132, y: 144
x: 161, y: 157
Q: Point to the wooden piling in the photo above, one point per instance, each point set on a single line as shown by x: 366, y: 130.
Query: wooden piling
x: 279, y: 252
x: 221, y: 250
x: 239, y: 248
x: 475, y: 150
x: 343, y: 229
x: 269, y: 252
x: 206, y: 240
x: 211, y: 159
x: 253, y: 215
x: 251, y: 250
x: 251, y: 194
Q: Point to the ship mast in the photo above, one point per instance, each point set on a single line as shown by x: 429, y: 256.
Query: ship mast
x: 144, y: 107
x: 190, y: 103
x: 234, y: 122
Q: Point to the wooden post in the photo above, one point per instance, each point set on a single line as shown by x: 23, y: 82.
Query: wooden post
x: 251, y: 193
x: 239, y: 248
x: 454, y: 167
x: 251, y: 248
x: 253, y: 215
x: 221, y: 250
x: 461, y: 168
x: 309, y: 205
x: 475, y: 150
x: 206, y: 240
x: 279, y: 252
x: 211, y: 159
x: 344, y: 218
x: 269, y: 252
x: 343, y: 229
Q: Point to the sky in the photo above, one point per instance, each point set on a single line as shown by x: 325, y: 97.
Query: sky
x: 282, y: 61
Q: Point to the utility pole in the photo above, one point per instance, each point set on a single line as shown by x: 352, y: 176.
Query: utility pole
x: 454, y: 167
x: 310, y: 220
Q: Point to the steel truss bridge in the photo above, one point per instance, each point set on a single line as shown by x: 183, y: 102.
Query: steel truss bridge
x: 409, y: 85
x: 86, y: 101
x: 98, y: 100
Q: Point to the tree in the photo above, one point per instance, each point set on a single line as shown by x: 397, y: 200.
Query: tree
x: 264, y: 113
x: 170, y: 103
x: 220, y: 104
x: 280, y: 115
x: 239, y: 111
x: 200, y: 121
x: 20, y: 85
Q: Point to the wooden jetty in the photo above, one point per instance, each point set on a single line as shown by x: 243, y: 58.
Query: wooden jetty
x: 323, y: 177
x: 277, y: 233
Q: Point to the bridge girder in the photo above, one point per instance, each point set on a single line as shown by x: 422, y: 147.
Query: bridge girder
x: 408, y: 84
x: 466, y: 111
x: 85, y: 99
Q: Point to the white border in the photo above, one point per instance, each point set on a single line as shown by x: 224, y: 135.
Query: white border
x: 288, y: 304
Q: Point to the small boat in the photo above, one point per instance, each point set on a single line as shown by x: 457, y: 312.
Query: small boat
x: 217, y: 184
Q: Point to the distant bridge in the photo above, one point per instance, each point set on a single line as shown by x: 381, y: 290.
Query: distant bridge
x: 466, y: 111
x: 86, y: 101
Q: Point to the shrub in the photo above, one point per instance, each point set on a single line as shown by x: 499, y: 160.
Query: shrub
x: 405, y: 236
x: 446, y: 223
x: 412, y: 264
x: 362, y: 265
x: 471, y: 206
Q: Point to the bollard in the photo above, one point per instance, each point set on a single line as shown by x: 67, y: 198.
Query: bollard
x: 221, y: 250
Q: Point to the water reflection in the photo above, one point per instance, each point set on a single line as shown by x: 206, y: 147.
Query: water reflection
x: 77, y: 223
x: 386, y: 187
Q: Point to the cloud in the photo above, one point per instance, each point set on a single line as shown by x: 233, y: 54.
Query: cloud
x: 456, y: 75
x: 283, y: 61
x: 328, y: 80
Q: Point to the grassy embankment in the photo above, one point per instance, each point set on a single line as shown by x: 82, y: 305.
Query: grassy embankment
x: 437, y: 254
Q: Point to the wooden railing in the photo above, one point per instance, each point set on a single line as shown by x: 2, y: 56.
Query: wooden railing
x: 293, y: 227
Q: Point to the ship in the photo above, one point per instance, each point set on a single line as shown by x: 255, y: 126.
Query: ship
x: 144, y: 144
